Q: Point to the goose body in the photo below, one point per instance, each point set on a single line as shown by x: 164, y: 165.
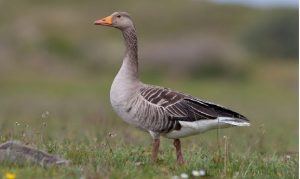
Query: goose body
x: 158, y: 110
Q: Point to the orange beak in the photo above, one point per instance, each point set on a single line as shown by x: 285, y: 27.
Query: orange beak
x: 104, y: 21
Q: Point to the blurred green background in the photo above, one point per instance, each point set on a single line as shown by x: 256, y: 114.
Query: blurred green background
x: 56, y: 68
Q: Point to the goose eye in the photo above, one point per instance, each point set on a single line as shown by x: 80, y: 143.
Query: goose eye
x: 118, y: 16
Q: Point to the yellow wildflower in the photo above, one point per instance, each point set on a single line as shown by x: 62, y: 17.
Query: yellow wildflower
x: 9, y: 175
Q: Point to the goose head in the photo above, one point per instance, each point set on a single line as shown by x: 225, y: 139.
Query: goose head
x: 120, y: 20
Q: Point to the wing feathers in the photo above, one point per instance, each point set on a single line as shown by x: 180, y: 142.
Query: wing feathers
x: 181, y: 107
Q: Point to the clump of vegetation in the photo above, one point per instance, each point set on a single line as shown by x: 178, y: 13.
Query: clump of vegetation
x: 274, y: 35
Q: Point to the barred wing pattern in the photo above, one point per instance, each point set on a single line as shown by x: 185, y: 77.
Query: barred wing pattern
x: 175, y: 106
x: 196, y: 109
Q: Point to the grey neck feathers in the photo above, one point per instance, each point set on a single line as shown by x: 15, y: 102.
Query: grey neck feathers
x: 131, y: 54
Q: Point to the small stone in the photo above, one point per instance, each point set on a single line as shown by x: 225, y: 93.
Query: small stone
x: 17, y: 153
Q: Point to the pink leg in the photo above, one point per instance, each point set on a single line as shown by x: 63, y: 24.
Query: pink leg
x: 155, y: 147
x: 179, y: 156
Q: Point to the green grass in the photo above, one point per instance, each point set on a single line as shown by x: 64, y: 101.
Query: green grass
x: 94, y: 160
x: 72, y: 117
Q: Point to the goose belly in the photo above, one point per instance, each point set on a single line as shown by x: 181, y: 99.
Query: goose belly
x: 122, y: 91
x: 196, y: 127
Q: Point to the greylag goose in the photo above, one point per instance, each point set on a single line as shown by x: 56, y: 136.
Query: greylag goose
x: 157, y: 110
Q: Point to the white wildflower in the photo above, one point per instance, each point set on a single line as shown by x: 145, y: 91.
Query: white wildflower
x: 45, y: 114
x: 175, y: 177
x: 202, y: 172
x: 236, y: 174
x: 138, y: 163
x: 112, y: 135
x: 195, y: 173
x: 184, y: 176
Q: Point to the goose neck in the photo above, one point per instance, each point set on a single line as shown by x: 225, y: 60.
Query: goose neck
x: 130, y: 38
x: 130, y: 61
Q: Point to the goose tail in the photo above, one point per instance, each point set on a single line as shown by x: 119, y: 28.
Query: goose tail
x: 234, y: 121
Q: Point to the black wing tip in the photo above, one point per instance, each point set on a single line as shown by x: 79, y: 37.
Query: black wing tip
x: 220, y: 111
x: 243, y: 118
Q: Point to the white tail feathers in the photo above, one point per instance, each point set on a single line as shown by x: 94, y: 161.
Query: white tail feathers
x: 234, y: 121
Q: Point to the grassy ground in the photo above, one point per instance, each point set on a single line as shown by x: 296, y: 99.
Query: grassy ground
x: 71, y: 116
x: 127, y: 161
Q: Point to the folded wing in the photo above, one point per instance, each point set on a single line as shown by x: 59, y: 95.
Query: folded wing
x: 181, y: 107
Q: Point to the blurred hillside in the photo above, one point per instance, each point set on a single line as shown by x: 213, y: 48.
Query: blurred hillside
x: 58, y: 36
x: 53, y: 59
